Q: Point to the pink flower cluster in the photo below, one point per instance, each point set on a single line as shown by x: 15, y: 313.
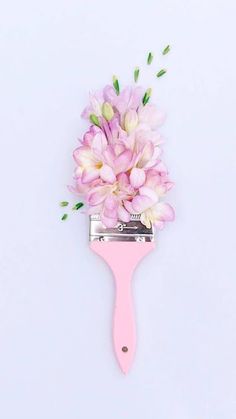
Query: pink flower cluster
x: 118, y: 163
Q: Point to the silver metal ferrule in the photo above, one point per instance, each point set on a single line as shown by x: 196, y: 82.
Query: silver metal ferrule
x: 134, y: 230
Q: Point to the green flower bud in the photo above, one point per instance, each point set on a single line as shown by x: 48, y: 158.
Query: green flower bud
x: 147, y: 96
x: 116, y: 85
x: 166, y: 50
x: 136, y: 74
x: 149, y: 58
x: 94, y: 119
x: 78, y: 206
x: 161, y: 72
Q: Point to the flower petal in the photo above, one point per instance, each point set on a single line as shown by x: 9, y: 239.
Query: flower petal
x: 164, y: 212
x: 159, y: 224
x: 96, y: 209
x: 110, y: 94
x: 161, y: 168
x: 123, y: 180
x: 146, y: 154
x: 89, y: 175
x: 109, y: 155
x: 84, y: 156
x: 97, y: 195
x: 86, y: 112
x: 107, y: 174
x: 89, y: 135
x: 136, y: 97
x: 99, y: 142
x: 150, y: 193
x: 145, y: 220
x: 128, y: 206
x: 123, y: 99
x: 150, y: 115
x: 111, y: 203
x: 107, y: 221
x: 96, y: 101
x: 123, y: 214
x: 140, y: 203
x: 81, y: 188
x: 137, y: 177
x: 123, y: 161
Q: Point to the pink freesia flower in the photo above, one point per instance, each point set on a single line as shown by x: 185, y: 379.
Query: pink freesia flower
x: 108, y: 200
x: 92, y: 162
x: 119, y: 167
x: 129, y: 98
x: 96, y: 101
x: 150, y: 116
x: 157, y: 215
x: 152, y: 211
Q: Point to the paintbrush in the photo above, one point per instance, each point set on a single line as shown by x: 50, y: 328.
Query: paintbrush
x: 122, y: 247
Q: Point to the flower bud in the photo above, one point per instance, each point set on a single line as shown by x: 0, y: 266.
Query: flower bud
x: 116, y: 85
x: 131, y: 120
x: 136, y: 74
x: 147, y: 96
x: 107, y: 111
x: 94, y: 119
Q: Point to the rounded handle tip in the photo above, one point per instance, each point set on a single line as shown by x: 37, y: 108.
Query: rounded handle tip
x: 125, y: 356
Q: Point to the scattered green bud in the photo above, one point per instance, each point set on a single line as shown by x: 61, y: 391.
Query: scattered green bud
x: 161, y: 72
x: 116, y: 85
x: 136, y: 74
x: 64, y: 217
x: 94, y: 119
x: 64, y: 203
x: 149, y: 58
x: 147, y: 96
x: 166, y: 50
x: 107, y: 111
x: 77, y: 206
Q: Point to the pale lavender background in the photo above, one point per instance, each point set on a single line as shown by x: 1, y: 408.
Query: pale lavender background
x: 56, y: 358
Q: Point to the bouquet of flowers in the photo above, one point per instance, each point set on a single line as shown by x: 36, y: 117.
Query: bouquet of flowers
x: 119, y: 167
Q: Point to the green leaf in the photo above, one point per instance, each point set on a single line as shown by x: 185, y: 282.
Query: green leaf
x: 64, y: 217
x: 166, y: 50
x: 161, y: 72
x: 147, y: 96
x: 94, y: 119
x: 116, y: 85
x: 77, y: 206
x: 64, y: 203
x: 136, y: 74
x: 149, y: 58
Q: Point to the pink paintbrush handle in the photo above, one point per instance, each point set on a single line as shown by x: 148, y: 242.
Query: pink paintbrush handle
x: 124, y: 328
x: 123, y: 257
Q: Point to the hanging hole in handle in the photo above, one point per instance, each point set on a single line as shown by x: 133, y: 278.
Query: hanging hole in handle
x: 124, y: 349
